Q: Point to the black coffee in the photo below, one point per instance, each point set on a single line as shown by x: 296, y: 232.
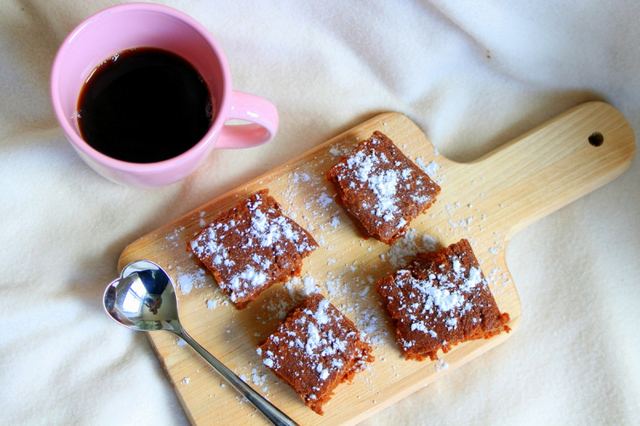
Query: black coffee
x: 144, y: 105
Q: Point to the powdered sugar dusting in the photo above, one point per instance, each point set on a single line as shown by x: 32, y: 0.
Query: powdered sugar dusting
x: 386, y: 183
x: 243, y: 246
x: 430, y: 299
x: 320, y: 342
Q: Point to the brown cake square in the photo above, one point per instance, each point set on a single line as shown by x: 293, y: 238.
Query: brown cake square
x: 251, y: 247
x: 381, y: 188
x: 440, y: 300
x: 315, y: 350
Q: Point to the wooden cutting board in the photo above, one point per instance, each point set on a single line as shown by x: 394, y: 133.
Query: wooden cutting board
x: 486, y: 201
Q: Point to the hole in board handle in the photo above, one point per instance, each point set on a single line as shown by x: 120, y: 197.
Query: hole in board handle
x: 596, y: 139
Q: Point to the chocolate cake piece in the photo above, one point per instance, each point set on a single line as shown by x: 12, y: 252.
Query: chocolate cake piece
x: 316, y: 349
x: 440, y: 300
x: 381, y: 188
x: 251, y: 247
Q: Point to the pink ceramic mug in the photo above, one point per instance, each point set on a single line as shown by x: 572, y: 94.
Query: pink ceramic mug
x: 149, y: 25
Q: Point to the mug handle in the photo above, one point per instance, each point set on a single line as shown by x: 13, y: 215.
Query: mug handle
x: 262, y: 114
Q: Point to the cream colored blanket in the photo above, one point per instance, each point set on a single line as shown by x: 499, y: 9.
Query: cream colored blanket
x: 472, y: 75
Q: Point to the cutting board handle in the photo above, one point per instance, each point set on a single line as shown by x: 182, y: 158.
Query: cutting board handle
x: 553, y: 165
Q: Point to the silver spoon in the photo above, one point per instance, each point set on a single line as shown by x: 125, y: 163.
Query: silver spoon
x: 144, y: 299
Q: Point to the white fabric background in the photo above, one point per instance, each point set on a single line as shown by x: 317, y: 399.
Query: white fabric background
x: 473, y: 75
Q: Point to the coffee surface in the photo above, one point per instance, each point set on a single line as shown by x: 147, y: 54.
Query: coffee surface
x: 144, y: 105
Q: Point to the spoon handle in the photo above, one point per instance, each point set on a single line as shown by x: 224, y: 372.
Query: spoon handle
x: 269, y: 410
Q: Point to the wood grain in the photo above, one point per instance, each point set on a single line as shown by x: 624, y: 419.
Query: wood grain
x: 486, y: 201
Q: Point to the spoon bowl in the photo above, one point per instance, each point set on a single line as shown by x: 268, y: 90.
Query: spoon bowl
x: 144, y: 299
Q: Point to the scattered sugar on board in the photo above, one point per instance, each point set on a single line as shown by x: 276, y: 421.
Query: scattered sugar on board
x: 441, y: 365
x: 496, y: 248
x: 203, y: 223
x: 339, y: 152
x: 278, y: 306
x: 309, y: 193
x: 257, y: 378
x: 407, y: 247
x: 431, y: 169
x: 334, y: 287
x: 309, y: 286
x: 188, y: 281
x: 297, y: 289
x: 174, y: 237
x: 368, y: 320
x: 175, y: 234
x: 495, y: 278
